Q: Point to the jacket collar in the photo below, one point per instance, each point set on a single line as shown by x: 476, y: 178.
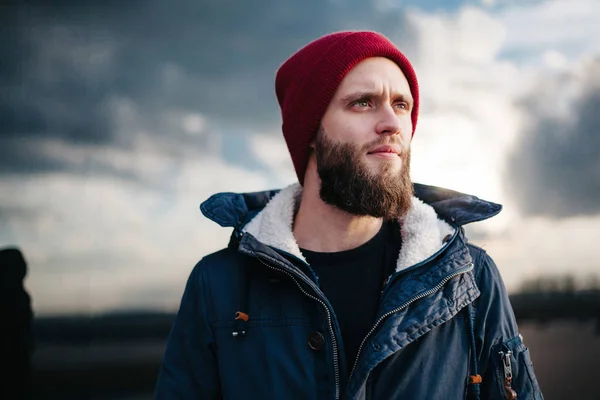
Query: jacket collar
x: 268, y: 216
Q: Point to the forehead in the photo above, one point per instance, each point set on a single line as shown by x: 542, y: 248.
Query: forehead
x: 375, y: 74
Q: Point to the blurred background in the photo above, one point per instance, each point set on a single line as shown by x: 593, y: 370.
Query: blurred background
x: 117, y: 118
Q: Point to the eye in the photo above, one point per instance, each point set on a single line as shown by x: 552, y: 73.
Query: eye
x: 402, y: 105
x: 361, y: 103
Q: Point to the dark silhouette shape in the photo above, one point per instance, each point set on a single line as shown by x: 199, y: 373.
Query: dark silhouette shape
x: 16, y: 339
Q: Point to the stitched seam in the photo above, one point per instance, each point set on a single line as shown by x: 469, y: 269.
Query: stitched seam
x: 435, y: 318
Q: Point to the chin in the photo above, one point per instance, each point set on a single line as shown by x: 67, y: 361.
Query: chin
x: 385, y: 166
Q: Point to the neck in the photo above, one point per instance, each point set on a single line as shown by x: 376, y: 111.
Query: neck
x: 321, y: 227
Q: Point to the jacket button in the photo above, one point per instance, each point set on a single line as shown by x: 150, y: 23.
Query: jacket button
x: 316, y: 341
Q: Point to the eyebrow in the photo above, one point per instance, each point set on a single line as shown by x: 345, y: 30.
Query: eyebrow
x: 367, y: 95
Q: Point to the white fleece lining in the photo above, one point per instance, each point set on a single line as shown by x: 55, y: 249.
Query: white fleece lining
x: 421, y: 230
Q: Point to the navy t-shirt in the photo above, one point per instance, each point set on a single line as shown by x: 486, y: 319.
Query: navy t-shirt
x: 352, y: 281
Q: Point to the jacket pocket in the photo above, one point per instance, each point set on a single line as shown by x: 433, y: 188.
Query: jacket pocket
x: 514, y: 371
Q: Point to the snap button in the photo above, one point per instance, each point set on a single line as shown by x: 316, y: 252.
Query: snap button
x: 316, y: 341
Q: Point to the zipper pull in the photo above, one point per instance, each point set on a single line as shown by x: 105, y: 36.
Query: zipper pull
x: 509, y: 393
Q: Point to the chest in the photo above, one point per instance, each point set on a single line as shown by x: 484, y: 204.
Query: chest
x: 292, y: 340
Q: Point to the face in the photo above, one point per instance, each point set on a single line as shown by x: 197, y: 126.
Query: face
x: 363, y: 146
x: 371, y: 109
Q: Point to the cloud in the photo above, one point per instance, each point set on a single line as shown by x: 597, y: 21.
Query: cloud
x: 69, y: 68
x: 96, y: 240
x: 568, y: 27
x: 467, y: 94
x: 485, y: 106
x: 554, y: 169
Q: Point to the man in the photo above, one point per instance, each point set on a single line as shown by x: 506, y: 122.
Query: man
x: 354, y: 283
x: 16, y: 338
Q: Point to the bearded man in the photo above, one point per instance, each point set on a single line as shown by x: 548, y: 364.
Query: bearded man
x: 354, y: 282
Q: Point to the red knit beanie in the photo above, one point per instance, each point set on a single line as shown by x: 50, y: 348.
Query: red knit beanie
x: 307, y: 81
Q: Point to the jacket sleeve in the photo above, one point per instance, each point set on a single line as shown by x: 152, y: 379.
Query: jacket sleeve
x: 501, y: 351
x: 189, y: 367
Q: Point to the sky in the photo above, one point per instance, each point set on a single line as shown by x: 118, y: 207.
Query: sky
x: 117, y: 119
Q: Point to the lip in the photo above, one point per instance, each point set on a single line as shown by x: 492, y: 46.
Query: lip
x: 387, y: 150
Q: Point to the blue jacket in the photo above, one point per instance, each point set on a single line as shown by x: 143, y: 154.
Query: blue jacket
x: 253, y: 322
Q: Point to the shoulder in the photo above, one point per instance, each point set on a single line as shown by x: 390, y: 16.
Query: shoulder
x: 487, y: 274
x: 215, y: 282
x: 224, y: 258
x: 222, y: 265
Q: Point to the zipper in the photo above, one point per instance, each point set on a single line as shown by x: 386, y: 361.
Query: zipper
x: 406, y: 304
x: 506, y: 364
x: 509, y: 392
x: 285, y: 254
x: 336, y: 367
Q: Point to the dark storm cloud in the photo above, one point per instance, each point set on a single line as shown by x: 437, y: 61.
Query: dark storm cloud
x: 65, y: 63
x: 555, y: 168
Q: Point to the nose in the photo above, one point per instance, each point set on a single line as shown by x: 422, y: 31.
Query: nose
x: 388, y: 122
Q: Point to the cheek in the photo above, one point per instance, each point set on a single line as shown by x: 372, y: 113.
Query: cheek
x: 343, y: 129
x: 407, y: 130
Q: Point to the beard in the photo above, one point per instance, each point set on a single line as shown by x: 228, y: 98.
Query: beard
x: 347, y: 183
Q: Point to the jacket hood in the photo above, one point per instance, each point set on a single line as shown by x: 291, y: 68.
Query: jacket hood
x: 268, y: 216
